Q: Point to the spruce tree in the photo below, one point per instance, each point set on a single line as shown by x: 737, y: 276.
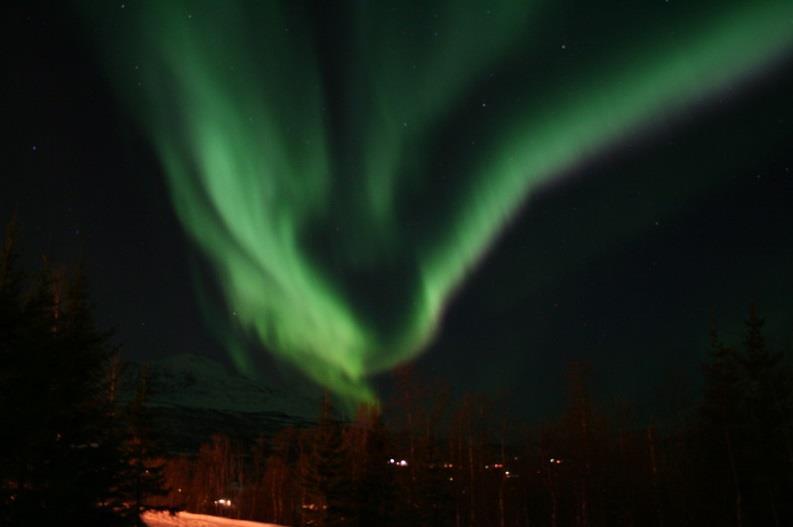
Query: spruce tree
x: 61, y: 461
x: 765, y: 386
x: 12, y: 381
x: 325, y: 474
x: 374, y: 487
x: 144, y: 476
x: 717, y: 447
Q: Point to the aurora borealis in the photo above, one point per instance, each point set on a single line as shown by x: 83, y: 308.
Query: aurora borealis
x: 343, y: 167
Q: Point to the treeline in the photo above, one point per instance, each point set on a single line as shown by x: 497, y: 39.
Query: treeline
x: 728, y: 461
x: 69, y: 453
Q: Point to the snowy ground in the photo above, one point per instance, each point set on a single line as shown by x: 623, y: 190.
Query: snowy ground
x: 187, y: 519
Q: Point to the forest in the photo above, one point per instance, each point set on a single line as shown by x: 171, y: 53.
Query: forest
x: 71, y: 451
x: 728, y: 460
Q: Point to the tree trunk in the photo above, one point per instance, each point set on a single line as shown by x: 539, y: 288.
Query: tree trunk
x: 471, y: 488
x: 738, y: 497
x: 654, y: 471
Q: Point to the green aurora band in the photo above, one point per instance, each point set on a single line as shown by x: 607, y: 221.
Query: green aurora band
x: 343, y: 168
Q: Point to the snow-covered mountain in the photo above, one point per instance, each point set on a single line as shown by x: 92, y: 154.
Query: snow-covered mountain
x: 192, y: 397
x: 197, y: 381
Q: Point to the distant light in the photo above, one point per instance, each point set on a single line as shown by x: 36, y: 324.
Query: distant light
x: 391, y: 461
x: 553, y: 460
x: 402, y: 463
x: 506, y: 473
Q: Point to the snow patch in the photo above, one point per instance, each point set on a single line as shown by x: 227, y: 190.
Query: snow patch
x: 187, y: 519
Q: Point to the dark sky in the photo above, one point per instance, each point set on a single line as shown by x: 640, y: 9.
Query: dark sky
x: 622, y: 263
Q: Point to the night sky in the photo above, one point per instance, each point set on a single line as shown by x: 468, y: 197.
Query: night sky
x: 656, y: 140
